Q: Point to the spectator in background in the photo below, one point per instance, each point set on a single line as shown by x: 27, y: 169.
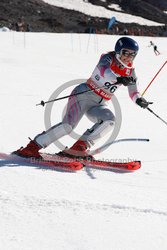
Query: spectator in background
x: 20, y: 25
x: 28, y: 28
x: 125, y: 31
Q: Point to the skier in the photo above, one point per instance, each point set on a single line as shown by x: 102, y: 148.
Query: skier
x: 155, y: 48
x: 113, y: 70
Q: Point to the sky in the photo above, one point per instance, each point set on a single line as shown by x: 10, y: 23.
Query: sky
x: 99, y: 11
x: 41, y: 208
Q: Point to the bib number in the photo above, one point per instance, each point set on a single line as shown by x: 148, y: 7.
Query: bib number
x: 110, y: 87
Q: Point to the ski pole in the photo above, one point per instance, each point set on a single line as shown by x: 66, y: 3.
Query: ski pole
x: 61, y: 98
x: 102, y: 148
x: 42, y: 103
x: 157, y: 115
x: 153, y: 78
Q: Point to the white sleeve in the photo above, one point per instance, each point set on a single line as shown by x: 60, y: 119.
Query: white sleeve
x: 133, y: 89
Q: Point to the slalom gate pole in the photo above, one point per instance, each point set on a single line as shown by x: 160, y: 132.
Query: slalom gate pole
x: 153, y: 78
x: 157, y: 115
x: 42, y: 103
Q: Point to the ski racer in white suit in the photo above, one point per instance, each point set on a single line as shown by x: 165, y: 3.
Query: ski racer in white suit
x: 113, y: 70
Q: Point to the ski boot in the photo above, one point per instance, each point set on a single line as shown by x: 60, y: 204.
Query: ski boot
x: 77, y: 151
x: 31, y: 150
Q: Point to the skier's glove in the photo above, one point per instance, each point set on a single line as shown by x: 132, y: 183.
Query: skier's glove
x: 126, y: 80
x: 142, y: 102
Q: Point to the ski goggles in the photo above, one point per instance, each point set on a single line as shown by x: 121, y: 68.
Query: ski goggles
x: 127, y: 53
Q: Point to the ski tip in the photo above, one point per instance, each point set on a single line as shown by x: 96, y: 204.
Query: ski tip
x: 134, y: 165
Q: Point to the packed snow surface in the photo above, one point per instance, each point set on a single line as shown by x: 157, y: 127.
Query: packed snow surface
x: 41, y: 208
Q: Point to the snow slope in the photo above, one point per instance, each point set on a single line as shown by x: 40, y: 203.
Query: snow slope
x: 99, y: 11
x: 41, y: 208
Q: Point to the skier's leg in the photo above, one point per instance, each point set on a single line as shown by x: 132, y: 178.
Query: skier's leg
x: 71, y: 118
x: 54, y: 133
x: 73, y: 114
x: 104, y: 121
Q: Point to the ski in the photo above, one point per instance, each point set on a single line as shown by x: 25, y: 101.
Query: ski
x: 109, y: 165
x: 70, y: 164
x: 74, y: 164
x: 67, y: 165
x: 99, y: 164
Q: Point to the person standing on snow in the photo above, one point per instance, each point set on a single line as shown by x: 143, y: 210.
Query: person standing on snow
x: 155, y: 48
x: 113, y: 70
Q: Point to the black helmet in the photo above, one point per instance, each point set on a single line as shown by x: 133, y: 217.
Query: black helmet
x: 126, y: 43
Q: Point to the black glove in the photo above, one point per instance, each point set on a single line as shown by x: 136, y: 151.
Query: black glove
x: 142, y: 102
x: 126, y: 80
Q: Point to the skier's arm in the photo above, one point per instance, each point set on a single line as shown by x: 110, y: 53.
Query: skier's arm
x: 136, y: 97
x: 135, y: 94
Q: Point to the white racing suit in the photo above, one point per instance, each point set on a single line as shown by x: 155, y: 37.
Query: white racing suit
x: 92, y: 104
